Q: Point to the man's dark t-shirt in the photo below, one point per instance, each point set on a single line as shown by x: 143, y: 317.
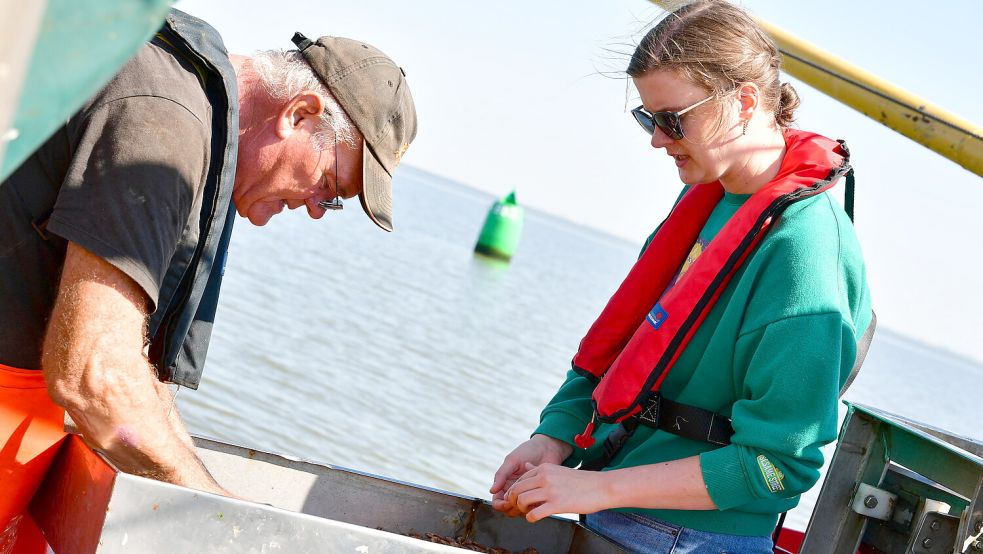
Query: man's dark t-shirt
x: 123, y: 179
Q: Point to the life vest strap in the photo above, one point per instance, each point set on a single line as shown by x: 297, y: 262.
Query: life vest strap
x: 199, y: 70
x: 40, y: 224
x: 687, y: 421
x: 695, y: 423
x: 666, y: 415
x: 863, y: 345
x: 848, y: 200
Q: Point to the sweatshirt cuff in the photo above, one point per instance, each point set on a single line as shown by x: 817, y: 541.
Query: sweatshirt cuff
x: 725, y: 478
x: 561, y: 426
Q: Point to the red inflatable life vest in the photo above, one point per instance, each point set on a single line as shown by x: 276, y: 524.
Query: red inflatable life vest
x: 632, y: 345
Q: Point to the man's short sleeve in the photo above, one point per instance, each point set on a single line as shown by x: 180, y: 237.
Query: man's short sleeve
x: 135, y: 174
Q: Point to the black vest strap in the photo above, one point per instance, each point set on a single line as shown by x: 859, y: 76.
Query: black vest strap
x: 863, y: 345
x: 686, y: 421
x: 848, y: 194
x: 677, y: 418
x: 201, y: 72
x: 180, y: 328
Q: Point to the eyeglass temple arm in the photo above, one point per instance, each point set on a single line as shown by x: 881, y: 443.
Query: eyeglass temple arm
x: 700, y: 103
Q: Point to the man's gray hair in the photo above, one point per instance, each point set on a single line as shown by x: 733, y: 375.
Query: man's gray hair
x: 284, y: 74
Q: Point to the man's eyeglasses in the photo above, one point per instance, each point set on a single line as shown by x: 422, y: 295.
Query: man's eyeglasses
x: 334, y: 203
x: 669, y: 123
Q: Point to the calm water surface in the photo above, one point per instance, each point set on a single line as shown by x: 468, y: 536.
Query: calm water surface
x: 405, y: 355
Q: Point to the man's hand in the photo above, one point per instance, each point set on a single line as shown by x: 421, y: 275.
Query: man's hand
x: 540, y: 449
x: 95, y: 368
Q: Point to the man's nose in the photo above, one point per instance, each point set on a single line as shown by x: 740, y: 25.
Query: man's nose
x: 313, y: 209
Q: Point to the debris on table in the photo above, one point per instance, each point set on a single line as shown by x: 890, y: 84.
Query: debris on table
x: 467, y: 544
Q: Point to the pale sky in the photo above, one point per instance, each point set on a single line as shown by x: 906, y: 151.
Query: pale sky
x: 510, y: 94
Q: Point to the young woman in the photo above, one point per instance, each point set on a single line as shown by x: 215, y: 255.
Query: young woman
x: 711, y: 378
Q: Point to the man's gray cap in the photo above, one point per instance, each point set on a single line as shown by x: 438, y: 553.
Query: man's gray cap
x: 372, y: 90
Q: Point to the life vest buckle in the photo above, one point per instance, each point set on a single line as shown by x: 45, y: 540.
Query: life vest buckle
x: 651, y: 409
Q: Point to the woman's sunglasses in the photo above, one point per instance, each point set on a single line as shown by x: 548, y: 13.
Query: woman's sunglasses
x: 669, y: 123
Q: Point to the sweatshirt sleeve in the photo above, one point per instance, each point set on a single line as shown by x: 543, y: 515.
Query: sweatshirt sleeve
x: 568, y: 413
x: 788, y: 412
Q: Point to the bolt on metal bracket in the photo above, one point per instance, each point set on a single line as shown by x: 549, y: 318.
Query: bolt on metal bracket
x: 870, y: 501
x: 935, y: 533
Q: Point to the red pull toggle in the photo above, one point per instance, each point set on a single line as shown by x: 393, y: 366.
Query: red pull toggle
x: 585, y: 439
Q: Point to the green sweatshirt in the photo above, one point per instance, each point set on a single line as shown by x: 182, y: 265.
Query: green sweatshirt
x: 772, y: 355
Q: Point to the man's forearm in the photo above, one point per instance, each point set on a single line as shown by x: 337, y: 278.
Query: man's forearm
x: 94, y: 367
x: 130, y: 423
x: 168, y: 395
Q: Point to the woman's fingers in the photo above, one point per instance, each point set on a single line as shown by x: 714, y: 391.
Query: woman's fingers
x: 550, y: 489
x: 539, y: 512
x: 501, y: 502
x: 507, y: 470
x: 503, y: 489
x: 530, y: 499
x: 516, y: 476
x: 522, y: 484
x: 502, y: 505
x: 506, y: 508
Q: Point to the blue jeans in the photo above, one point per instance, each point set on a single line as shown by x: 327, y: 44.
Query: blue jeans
x: 644, y: 535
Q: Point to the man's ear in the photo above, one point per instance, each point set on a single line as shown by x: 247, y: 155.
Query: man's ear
x: 302, y: 112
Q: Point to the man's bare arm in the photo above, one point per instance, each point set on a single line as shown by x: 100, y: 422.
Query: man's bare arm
x: 95, y: 368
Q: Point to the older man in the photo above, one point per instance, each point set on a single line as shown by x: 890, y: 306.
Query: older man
x: 113, y: 235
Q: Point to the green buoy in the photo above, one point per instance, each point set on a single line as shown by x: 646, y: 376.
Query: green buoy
x: 500, y: 235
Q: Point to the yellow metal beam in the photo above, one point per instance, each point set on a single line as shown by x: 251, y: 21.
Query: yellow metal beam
x: 927, y: 124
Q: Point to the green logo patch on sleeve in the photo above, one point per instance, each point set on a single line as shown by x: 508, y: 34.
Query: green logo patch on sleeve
x: 772, y: 475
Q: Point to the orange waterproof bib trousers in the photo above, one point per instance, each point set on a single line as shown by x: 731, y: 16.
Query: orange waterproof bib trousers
x: 31, y: 430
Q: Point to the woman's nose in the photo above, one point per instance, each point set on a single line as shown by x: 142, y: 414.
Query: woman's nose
x: 660, y: 139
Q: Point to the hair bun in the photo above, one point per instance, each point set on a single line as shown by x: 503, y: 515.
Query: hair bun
x: 787, y: 104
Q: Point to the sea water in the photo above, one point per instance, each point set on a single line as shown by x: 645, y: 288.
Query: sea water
x: 407, y: 356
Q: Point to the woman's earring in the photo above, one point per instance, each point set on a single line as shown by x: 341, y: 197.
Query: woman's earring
x: 744, y: 130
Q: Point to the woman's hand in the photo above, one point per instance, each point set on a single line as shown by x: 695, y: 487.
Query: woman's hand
x: 550, y: 489
x: 540, y: 449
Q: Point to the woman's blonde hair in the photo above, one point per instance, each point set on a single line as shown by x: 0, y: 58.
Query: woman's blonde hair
x: 718, y: 46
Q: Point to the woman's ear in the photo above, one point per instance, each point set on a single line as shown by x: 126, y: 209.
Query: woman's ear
x: 301, y: 112
x: 749, y: 99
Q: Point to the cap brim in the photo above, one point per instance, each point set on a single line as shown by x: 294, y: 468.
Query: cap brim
x: 377, y: 191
